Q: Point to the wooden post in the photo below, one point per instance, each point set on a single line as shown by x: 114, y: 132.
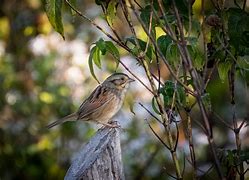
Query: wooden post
x: 100, y: 158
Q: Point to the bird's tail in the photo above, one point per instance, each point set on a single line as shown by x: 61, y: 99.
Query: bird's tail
x: 60, y: 121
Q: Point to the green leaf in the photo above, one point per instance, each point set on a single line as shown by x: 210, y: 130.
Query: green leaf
x: 168, y: 92
x: 244, y: 155
x: 101, y: 45
x: 145, y: 16
x: 111, y: 12
x: 181, y: 96
x: 173, y: 55
x: 154, y: 106
x: 182, y: 7
x: 195, y: 26
x: 196, y: 56
x: 96, y: 57
x: 53, y: 11
x: 238, y: 25
x: 223, y: 68
x: 111, y: 48
x: 90, y: 62
x: 142, y: 44
x: 163, y: 43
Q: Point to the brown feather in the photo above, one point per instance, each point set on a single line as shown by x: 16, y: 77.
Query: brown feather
x: 60, y: 121
x: 99, y: 98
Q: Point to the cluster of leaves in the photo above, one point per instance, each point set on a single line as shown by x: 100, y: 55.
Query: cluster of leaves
x: 232, y: 46
x: 173, y: 94
x: 101, y: 47
x: 231, y: 159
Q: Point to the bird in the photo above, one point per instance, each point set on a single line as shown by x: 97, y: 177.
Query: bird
x: 103, y: 103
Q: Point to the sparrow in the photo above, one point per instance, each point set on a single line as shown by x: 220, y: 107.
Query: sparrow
x: 103, y: 103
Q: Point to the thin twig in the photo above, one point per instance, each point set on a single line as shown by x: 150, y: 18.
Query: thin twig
x: 169, y: 30
x: 198, y: 87
x: 161, y: 54
x: 244, y: 5
x: 136, y: 77
x: 223, y: 121
x: 112, y: 38
x: 191, y: 144
x: 210, y: 75
x: 159, y: 101
x: 158, y: 137
x: 170, y: 175
x: 158, y: 120
x: 138, y: 4
x: 177, y: 137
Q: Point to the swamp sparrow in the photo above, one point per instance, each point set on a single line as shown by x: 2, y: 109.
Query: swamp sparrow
x: 103, y: 103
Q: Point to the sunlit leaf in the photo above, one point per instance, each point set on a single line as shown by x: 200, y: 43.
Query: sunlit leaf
x: 111, y: 11
x: 223, y: 68
x: 53, y: 11
x: 96, y: 57
x: 142, y: 44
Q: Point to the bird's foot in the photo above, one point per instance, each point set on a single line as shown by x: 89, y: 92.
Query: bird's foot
x: 112, y: 124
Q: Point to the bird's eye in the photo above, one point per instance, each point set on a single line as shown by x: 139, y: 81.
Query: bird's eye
x: 122, y: 78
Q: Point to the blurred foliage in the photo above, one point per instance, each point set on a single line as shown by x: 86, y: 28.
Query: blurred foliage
x: 42, y: 81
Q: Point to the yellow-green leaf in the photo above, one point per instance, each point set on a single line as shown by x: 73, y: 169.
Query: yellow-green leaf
x: 53, y: 11
x: 223, y: 68
x: 111, y: 12
x: 96, y: 57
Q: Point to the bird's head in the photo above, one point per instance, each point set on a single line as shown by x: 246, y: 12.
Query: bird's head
x: 119, y: 81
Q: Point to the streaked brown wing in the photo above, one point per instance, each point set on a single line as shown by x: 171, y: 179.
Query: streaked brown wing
x: 99, y: 97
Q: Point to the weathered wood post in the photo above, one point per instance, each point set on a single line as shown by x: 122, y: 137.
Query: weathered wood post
x: 99, y: 159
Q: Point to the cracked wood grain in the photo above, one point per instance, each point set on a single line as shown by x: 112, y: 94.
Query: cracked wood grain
x: 99, y: 159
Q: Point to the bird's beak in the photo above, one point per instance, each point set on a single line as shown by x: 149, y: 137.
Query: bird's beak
x: 131, y: 80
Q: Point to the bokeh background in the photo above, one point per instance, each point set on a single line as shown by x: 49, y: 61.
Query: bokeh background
x: 43, y: 78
